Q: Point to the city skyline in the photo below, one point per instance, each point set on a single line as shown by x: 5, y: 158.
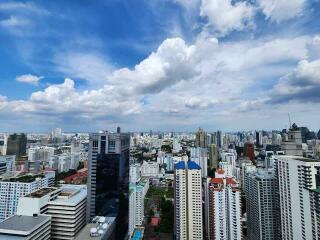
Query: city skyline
x: 173, y: 64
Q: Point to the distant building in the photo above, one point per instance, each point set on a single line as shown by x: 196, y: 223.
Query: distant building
x: 293, y: 146
x: 201, y: 138
x: 7, y: 164
x: 108, y: 179
x: 17, y: 145
x: 26, y: 228
x: 149, y: 169
x: 200, y: 156
x: 213, y: 156
x: 188, y: 201
x: 248, y: 151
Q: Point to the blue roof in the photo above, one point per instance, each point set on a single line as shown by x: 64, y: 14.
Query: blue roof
x: 193, y: 165
x: 180, y: 165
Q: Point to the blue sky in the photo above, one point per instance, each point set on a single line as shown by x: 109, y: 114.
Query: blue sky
x: 159, y: 64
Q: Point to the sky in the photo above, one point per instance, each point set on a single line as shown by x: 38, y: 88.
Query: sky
x: 168, y: 65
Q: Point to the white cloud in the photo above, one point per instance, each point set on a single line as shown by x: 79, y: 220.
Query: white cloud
x: 172, y: 62
x: 84, y: 65
x: 281, y: 10
x: 225, y: 16
x: 24, y: 7
x: 14, y: 22
x: 29, y: 78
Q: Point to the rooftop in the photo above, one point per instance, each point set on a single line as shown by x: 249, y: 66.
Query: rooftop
x: 23, y: 178
x: 71, y: 195
x: 41, y: 192
x: 98, y: 229
x: 22, y: 224
x: 191, y: 165
x: 297, y: 158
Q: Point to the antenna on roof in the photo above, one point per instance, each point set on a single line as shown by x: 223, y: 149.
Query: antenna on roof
x: 289, y: 120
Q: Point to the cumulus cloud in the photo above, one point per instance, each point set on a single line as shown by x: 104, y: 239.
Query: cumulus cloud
x: 225, y: 16
x: 302, y: 84
x: 172, y: 62
x: 29, y: 78
x: 281, y: 10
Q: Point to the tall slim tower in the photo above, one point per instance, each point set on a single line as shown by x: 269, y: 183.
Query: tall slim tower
x: 263, y: 217
x: 201, y: 138
x: 108, y: 184
x: 223, y: 208
x: 17, y: 145
x: 188, y: 201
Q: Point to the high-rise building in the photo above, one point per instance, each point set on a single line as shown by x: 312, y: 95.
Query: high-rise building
x: 17, y: 145
x: 188, y: 201
x: 213, y: 156
x: 263, y: 216
x: 293, y: 146
x: 259, y: 139
x: 201, y: 138
x: 223, y: 211
x: 108, y: 179
x: 219, y: 139
x: 7, y: 164
x: 248, y: 151
x: 12, y: 188
x: 298, y: 177
x: 200, y: 156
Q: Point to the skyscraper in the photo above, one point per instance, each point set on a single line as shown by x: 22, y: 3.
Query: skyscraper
x: 258, y: 139
x: 17, y: 145
x: 248, y: 151
x: 213, y: 156
x: 201, y: 138
x: 297, y: 178
x: 188, y: 201
x: 223, y: 208
x: 263, y: 217
x: 108, y: 179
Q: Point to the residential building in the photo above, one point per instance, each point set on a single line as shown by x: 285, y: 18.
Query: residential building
x: 200, y: 156
x: 213, y: 156
x: 293, y: 146
x: 298, y: 177
x: 223, y: 209
x: 188, y: 201
x: 263, y: 216
x: 149, y: 169
x: 14, y: 187
x: 7, y: 164
x: 201, y: 138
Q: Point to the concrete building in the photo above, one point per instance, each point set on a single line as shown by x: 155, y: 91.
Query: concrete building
x: 42, y: 153
x: 200, y: 156
x: 26, y: 228
x: 263, y: 216
x: 64, y: 162
x: 201, y: 138
x: 149, y: 169
x: 7, y: 164
x: 223, y: 209
x: 213, y: 156
x: 108, y: 179
x: 188, y: 201
x: 17, y: 145
x: 65, y: 205
x: 14, y: 187
x: 293, y: 146
x: 297, y: 178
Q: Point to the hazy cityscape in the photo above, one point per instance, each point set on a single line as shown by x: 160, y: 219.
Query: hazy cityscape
x: 160, y: 120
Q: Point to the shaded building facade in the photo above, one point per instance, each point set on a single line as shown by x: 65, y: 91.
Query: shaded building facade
x: 108, y: 179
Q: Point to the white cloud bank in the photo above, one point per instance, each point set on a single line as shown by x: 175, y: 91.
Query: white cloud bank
x: 29, y: 78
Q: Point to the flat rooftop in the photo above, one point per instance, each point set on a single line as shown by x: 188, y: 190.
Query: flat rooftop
x: 22, y: 224
x: 303, y: 159
x: 85, y: 233
x: 41, y: 192
x: 24, y: 178
x: 71, y: 195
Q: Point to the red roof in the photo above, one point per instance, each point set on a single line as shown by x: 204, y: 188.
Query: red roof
x: 231, y: 181
x: 155, y: 221
x: 216, y: 180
